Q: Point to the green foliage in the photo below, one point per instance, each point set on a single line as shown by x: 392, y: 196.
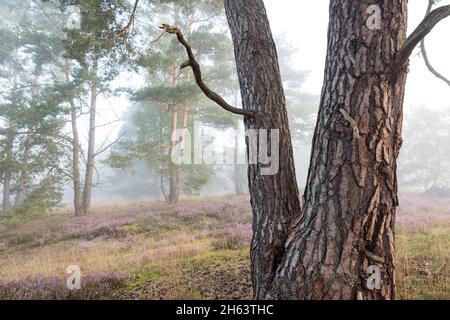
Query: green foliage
x: 195, y: 177
x: 170, y: 90
x: 32, y: 147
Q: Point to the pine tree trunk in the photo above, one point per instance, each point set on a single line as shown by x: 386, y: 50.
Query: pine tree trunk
x: 90, y: 161
x: 274, y: 198
x: 348, y: 217
x: 7, y: 177
x: 23, y: 177
x: 11, y: 136
x: 174, y: 179
x: 174, y: 171
x: 239, y: 172
x: 76, y: 176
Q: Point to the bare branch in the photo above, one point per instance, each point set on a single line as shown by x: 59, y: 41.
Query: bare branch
x: 192, y: 62
x: 425, y: 27
x: 63, y: 172
x: 124, y: 30
x: 109, y: 145
x: 107, y: 124
x: 425, y: 54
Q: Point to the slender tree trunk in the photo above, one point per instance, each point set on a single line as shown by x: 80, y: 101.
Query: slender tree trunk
x: 274, y: 199
x: 351, y: 193
x: 76, y: 176
x: 185, y: 124
x: 23, y: 177
x: 11, y: 135
x: 7, y: 176
x: 239, y: 169
x: 90, y: 159
x: 163, y: 188
x: 174, y: 169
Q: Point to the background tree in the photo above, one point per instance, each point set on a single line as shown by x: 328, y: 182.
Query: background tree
x: 100, y: 49
x: 31, y: 121
x: 172, y: 101
x: 424, y: 163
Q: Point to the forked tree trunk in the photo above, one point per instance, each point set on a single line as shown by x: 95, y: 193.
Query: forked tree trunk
x: 346, y: 227
x: 348, y: 217
x: 274, y: 198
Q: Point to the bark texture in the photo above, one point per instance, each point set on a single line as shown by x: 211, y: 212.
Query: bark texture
x: 275, y: 200
x: 351, y: 193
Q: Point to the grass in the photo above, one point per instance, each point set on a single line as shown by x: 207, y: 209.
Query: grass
x: 197, y: 249
x: 424, y: 264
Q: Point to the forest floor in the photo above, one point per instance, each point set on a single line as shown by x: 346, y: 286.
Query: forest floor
x: 197, y: 249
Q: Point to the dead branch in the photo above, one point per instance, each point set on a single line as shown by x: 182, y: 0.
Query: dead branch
x: 122, y: 32
x: 425, y: 54
x: 192, y: 62
x: 425, y: 27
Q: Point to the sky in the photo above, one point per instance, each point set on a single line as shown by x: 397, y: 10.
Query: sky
x: 305, y: 25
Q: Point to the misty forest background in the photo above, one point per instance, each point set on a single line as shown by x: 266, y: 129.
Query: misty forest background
x: 86, y: 117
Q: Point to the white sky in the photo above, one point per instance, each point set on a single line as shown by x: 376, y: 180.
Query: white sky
x: 305, y: 25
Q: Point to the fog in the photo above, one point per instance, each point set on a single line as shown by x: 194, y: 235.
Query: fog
x: 303, y: 24
x: 133, y: 167
x: 301, y: 28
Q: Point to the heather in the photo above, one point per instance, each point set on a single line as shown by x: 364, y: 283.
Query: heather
x: 197, y: 249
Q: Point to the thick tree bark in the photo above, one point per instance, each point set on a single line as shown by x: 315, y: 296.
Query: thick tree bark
x: 76, y: 176
x: 351, y: 193
x: 90, y: 161
x: 274, y: 198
